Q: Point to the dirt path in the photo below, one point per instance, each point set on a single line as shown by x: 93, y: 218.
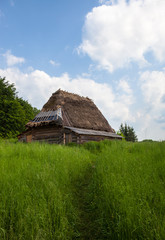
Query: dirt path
x: 84, y: 198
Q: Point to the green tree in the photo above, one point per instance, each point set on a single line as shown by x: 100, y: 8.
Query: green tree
x: 30, y: 112
x: 14, y: 112
x: 128, y: 132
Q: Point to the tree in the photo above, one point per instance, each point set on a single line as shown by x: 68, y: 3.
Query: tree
x: 128, y: 132
x: 14, y: 111
x: 30, y: 112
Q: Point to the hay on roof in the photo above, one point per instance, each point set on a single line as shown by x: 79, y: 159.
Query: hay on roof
x: 77, y: 111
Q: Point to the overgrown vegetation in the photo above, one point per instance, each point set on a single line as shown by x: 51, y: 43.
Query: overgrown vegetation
x: 14, y: 111
x: 37, y: 185
x: 106, y: 190
x: 128, y: 191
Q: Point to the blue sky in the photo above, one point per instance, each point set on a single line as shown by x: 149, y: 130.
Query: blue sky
x: 111, y: 51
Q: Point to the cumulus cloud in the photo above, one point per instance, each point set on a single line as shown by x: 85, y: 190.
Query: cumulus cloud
x: 37, y: 86
x: 125, y: 94
x: 123, y: 84
x: 152, y: 84
x: 107, y: 1
x: 153, y: 88
x: 12, y: 60
x: 116, y: 102
x: 121, y: 32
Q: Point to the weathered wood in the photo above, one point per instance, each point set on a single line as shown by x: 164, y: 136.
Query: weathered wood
x: 64, y: 138
x: 74, y: 138
x: 70, y: 138
x: 60, y: 135
x: 28, y: 138
x: 86, y: 138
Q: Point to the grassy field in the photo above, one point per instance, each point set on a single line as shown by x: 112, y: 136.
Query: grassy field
x: 129, y: 191
x: 106, y: 190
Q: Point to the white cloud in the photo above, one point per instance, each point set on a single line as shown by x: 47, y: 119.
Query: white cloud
x: 153, y: 88
x: 37, y: 86
x: 116, y: 34
x: 125, y: 94
x: 107, y: 1
x: 56, y: 64
x: 152, y: 116
x: 123, y: 84
x: 115, y: 102
x: 148, y: 128
x: 12, y: 60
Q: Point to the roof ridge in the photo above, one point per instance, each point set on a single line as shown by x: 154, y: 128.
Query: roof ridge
x: 71, y: 94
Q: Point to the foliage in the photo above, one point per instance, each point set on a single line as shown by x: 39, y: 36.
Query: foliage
x: 30, y: 111
x: 128, y: 132
x: 14, y: 111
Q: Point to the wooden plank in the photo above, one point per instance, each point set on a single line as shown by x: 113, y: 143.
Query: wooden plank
x: 70, y: 138
x: 64, y: 139
x: 28, y: 138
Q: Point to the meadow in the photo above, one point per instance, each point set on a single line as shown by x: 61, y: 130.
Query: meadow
x: 106, y: 190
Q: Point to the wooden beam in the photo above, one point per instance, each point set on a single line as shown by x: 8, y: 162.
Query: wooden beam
x: 64, y: 140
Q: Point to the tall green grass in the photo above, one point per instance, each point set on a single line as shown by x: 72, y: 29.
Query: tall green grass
x: 37, y: 190
x: 107, y: 190
x: 128, y: 189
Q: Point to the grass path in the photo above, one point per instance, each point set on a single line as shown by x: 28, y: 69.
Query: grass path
x: 83, y: 199
x: 106, y: 190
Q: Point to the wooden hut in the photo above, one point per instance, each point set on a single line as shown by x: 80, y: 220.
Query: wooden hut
x: 67, y: 118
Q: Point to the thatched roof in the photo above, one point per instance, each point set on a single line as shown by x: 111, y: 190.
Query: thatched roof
x: 77, y: 111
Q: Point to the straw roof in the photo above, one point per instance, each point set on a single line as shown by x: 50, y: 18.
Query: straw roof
x: 77, y: 111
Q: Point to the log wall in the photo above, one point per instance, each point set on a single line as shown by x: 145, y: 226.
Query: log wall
x: 87, y: 138
x: 48, y: 134
x: 58, y: 135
